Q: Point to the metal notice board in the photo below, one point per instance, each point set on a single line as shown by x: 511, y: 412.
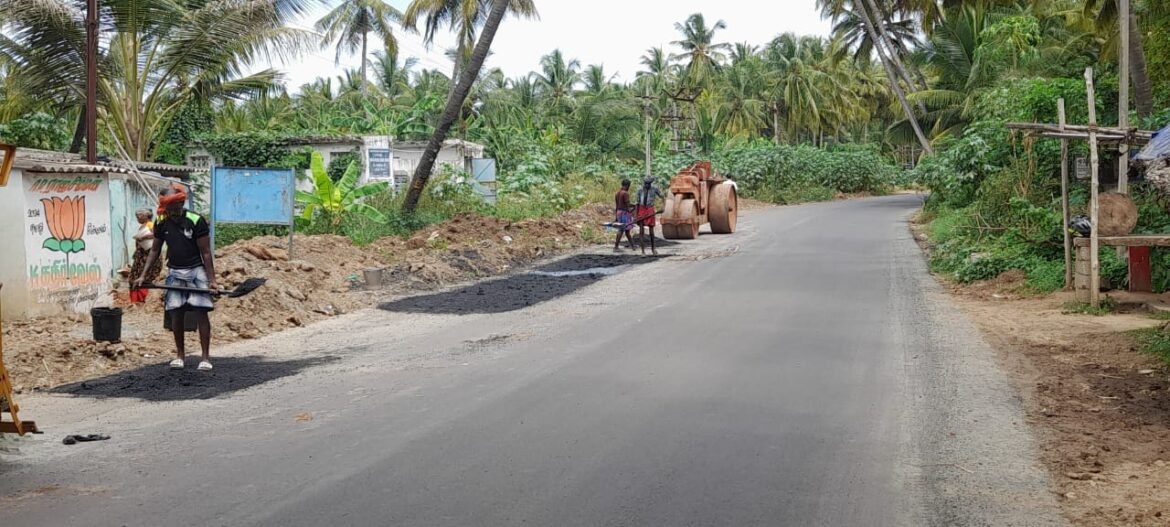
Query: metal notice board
x: 256, y: 196
x: 379, y: 163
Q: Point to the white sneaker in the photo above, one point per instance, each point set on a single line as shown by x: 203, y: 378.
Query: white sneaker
x: 177, y: 364
x: 204, y: 366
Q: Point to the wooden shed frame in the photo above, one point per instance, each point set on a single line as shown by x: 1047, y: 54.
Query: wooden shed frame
x: 1095, y: 135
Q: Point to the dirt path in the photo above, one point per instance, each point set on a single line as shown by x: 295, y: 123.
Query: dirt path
x: 1099, y: 406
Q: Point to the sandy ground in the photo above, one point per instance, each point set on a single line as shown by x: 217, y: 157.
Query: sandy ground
x: 1099, y: 406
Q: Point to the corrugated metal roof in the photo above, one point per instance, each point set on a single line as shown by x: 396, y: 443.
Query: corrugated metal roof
x: 160, y: 167
x: 69, y: 163
x: 76, y: 168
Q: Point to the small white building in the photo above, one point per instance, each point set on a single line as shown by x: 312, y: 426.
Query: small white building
x: 66, y: 228
x: 383, y: 159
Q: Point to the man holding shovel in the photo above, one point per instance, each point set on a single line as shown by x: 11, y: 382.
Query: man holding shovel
x: 190, y: 264
x: 645, y: 214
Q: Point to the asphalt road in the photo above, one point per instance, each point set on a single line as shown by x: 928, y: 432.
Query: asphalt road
x: 805, y: 371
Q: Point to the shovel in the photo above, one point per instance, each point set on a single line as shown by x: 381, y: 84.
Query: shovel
x: 617, y: 225
x: 248, y: 286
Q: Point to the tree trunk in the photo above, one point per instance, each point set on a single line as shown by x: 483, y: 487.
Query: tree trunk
x: 365, y: 36
x: 892, y: 50
x: 1143, y: 90
x: 467, y: 77
x: 776, y: 123
x: 869, y: 27
x: 456, y: 61
x: 78, y: 134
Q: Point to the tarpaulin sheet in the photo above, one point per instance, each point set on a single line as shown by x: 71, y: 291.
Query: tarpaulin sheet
x: 1159, y: 147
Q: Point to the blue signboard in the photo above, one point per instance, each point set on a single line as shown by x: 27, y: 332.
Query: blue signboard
x: 260, y: 196
x: 252, y: 195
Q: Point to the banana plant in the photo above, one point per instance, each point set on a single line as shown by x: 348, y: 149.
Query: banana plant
x: 333, y: 201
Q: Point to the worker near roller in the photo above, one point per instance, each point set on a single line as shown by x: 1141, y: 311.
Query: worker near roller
x: 190, y: 263
x: 646, y: 212
x: 623, y: 217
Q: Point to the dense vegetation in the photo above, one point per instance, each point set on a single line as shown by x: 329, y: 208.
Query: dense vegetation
x: 995, y: 195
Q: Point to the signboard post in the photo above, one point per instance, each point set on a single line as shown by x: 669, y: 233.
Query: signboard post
x: 255, y: 196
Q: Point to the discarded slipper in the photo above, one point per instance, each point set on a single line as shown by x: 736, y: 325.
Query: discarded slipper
x: 74, y: 439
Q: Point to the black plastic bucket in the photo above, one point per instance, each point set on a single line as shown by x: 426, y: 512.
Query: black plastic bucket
x: 107, y: 324
x: 189, y: 323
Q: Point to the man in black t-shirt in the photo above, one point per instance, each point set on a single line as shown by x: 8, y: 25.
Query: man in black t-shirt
x: 190, y: 263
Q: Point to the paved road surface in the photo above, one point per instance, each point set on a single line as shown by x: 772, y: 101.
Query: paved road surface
x: 803, y: 372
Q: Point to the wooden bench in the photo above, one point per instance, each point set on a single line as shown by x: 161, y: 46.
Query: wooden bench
x: 1140, y: 278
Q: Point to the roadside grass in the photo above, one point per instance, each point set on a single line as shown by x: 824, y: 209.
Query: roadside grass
x: 1108, y: 306
x: 1154, y: 341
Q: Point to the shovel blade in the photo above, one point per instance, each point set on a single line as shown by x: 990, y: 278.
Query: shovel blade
x: 248, y: 286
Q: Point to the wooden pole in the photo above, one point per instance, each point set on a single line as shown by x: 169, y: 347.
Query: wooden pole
x: 1094, y: 215
x: 1123, y: 97
x: 1068, y: 259
x: 649, y: 130
x: 91, y: 46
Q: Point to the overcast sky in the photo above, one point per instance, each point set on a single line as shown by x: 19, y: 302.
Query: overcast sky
x: 614, y: 33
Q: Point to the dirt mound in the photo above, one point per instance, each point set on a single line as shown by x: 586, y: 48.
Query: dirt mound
x: 324, y: 279
x: 470, y: 246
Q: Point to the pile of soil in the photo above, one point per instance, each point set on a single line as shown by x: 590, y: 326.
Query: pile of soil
x: 322, y: 280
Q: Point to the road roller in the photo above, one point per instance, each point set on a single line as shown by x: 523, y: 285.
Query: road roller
x: 697, y: 196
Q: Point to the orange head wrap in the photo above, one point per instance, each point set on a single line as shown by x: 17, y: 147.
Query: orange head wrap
x: 177, y: 194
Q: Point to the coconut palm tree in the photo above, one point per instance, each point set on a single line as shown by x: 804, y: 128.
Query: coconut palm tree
x: 742, y: 52
x: 869, y: 17
x: 703, y: 55
x: 558, y: 78
x: 464, y: 17
x: 350, y: 24
x: 742, y: 106
x: 798, y: 84
x: 393, y: 75
x: 1105, y: 12
x: 422, y: 173
x: 157, y: 57
x: 596, y: 80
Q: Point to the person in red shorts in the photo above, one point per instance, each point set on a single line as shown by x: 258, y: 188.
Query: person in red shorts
x: 624, y: 220
x: 646, y: 212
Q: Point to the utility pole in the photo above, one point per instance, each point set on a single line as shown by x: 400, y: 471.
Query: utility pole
x: 649, y: 129
x: 91, y: 54
x: 1123, y: 95
x: 681, y: 120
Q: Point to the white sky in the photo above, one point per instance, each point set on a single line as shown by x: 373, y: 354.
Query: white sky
x: 614, y: 33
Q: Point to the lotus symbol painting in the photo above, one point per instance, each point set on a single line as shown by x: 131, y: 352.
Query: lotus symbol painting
x: 65, y: 218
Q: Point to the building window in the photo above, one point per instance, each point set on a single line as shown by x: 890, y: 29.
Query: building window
x: 200, y: 161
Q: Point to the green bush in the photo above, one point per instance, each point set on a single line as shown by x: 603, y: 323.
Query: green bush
x: 794, y: 174
x: 38, y: 130
x: 340, y: 162
x: 229, y: 233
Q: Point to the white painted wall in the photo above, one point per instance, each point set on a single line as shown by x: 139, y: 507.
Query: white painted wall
x: 404, y: 157
x: 13, y: 270
x: 68, y: 249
